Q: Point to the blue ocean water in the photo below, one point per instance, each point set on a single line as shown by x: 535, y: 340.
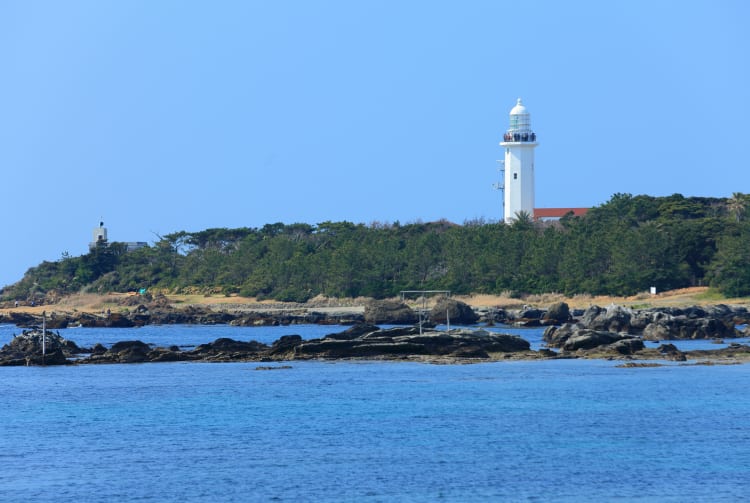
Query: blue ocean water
x: 568, y: 430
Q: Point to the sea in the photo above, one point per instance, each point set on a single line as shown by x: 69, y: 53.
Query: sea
x: 517, y: 431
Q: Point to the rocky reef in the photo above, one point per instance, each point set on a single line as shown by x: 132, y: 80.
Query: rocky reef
x: 614, y: 332
x: 35, y: 347
x: 359, y: 341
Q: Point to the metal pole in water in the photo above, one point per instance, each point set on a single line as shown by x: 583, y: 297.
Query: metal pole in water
x: 448, y: 319
x: 44, y: 335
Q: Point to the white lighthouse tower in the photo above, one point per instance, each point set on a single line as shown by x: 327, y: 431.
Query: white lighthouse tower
x: 519, y: 142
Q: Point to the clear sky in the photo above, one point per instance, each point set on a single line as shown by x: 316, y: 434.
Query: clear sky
x: 161, y: 116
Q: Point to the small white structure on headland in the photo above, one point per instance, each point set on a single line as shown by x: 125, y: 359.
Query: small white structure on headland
x: 519, y: 142
x: 100, y: 236
x: 100, y: 239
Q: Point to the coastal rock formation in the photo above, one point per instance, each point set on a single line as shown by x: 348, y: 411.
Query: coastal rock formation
x: 665, y: 323
x: 21, y: 319
x: 671, y: 352
x: 284, y: 347
x: 355, y: 331
x: 575, y: 337
x: 668, y: 327
x: 555, y: 337
x: 359, y: 341
x: 407, y: 341
x: 612, y: 319
x: 120, y: 352
x: 525, y: 317
x: 369, y: 341
x: 389, y: 312
x: 459, y: 313
x: 225, y: 349
x: 222, y: 349
x: 27, y: 349
x: 557, y: 313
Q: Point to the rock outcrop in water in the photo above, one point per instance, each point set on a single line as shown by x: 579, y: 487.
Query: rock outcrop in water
x: 611, y: 332
x: 389, y: 312
x: 673, y: 323
x: 28, y: 348
x: 574, y: 337
x: 365, y: 341
x: 453, y: 311
x: 655, y: 324
x: 359, y: 341
x: 407, y: 341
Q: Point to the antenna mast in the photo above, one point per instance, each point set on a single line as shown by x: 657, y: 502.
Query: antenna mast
x: 501, y: 186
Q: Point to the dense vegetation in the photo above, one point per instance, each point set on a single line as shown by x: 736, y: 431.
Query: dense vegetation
x: 619, y: 248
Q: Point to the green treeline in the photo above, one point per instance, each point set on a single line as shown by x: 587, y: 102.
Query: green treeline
x: 622, y: 247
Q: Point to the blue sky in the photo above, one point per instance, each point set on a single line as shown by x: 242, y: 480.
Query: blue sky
x: 161, y: 116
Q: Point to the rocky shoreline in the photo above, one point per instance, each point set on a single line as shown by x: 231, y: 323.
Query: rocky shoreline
x: 614, y: 332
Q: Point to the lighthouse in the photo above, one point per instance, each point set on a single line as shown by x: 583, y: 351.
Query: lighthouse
x: 519, y: 142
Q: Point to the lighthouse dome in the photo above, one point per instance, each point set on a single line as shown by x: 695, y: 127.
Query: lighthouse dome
x: 520, y: 119
x: 519, y: 109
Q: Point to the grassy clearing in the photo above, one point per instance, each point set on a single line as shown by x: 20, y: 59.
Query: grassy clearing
x: 93, y: 303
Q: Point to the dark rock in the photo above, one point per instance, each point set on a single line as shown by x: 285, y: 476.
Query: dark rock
x: 618, y: 319
x: 721, y: 311
x: 548, y: 353
x: 23, y: 319
x: 285, y: 344
x: 128, y: 352
x: 354, y: 331
x: 682, y: 327
x: 665, y: 323
x: 56, y: 357
x: 225, y: 344
x: 627, y: 346
x: 671, y: 352
x: 330, y: 348
x: 470, y: 352
x: 458, y: 312
x: 117, y: 320
x: 26, y: 349
x: 574, y: 336
x: 98, y: 349
x: 556, y: 337
x: 407, y: 341
x: 128, y: 346
x: 505, y: 343
x: 225, y: 349
x: 695, y: 312
x: 590, y: 315
x: 588, y: 339
x: 390, y: 333
x: 558, y: 313
x: 56, y: 322
x: 389, y: 312
x: 531, y: 313
x: 166, y: 355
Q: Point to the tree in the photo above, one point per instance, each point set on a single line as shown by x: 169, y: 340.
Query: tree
x: 523, y: 220
x: 730, y: 271
x: 737, y: 205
